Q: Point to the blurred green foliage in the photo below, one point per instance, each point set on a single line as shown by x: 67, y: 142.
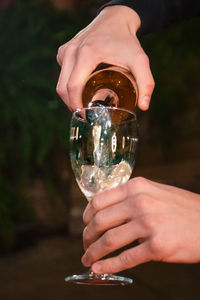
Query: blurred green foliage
x: 174, y: 113
x: 34, y: 121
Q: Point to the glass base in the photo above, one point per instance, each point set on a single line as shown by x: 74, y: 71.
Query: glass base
x: 91, y: 278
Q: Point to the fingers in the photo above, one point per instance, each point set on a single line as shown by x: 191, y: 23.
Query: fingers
x: 141, y: 70
x: 60, y: 54
x: 77, y: 63
x: 110, y: 241
x: 86, y: 62
x: 124, y: 204
x: 79, y: 57
x: 66, y: 58
x: 135, y: 187
x: 109, y: 218
x: 126, y: 260
x: 105, y: 199
x: 140, y: 207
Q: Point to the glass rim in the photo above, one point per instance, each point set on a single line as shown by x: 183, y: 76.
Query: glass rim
x: 107, y: 107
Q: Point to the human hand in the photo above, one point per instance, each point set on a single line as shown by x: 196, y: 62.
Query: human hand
x: 165, y: 220
x: 110, y: 38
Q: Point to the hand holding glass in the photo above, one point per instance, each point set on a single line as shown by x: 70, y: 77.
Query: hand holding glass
x: 103, y: 145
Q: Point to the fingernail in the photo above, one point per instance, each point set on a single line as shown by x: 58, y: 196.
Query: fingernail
x: 145, y: 101
x: 96, y: 268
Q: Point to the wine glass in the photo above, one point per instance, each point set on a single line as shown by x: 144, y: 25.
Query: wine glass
x: 103, y: 145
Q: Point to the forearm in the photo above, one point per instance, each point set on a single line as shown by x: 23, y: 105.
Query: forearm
x: 156, y: 14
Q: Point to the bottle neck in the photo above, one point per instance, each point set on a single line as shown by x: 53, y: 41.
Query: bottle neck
x: 110, y: 86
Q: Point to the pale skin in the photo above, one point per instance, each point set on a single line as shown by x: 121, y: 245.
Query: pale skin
x: 110, y: 38
x: 163, y: 219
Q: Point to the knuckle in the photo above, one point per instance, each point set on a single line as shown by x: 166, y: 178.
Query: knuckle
x: 71, y: 86
x: 142, y: 56
x: 58, y: 59
x: 71, y: 47
x: 140, y: 202
x: 95, y: 204
x: 146, y: 59
x: 60, y: 90
x: 150, y: 85
x: 67, y: 47
x: 125, y: 260
x: 86, y: 234
x: 125, y: 188
x: 91, y: 253
x: 98, y: 221
x: 109, y: 240
x: 59, y: 52
x: 153, y: 83
x: 156, y: 246
x: 148, y: 222
x: 85, y: 218
x: 138, y: 183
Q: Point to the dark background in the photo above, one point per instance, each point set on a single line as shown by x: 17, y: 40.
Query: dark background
x: 40, y: 203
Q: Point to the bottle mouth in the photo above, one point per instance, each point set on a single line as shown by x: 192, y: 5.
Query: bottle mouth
x: 105, y: 97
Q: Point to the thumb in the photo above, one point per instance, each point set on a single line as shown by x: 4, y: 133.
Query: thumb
x: 140, y: 68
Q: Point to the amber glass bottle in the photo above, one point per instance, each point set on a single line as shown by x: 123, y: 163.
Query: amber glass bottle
x: 110, y: 86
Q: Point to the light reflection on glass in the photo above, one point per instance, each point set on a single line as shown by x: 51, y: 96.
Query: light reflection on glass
x: 123, y: 142
x: 114, y: 143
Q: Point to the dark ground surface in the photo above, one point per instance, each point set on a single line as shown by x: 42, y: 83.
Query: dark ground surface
x: 38, y: 273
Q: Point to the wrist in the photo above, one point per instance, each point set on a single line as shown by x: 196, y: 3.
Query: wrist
x: 123, y: 13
